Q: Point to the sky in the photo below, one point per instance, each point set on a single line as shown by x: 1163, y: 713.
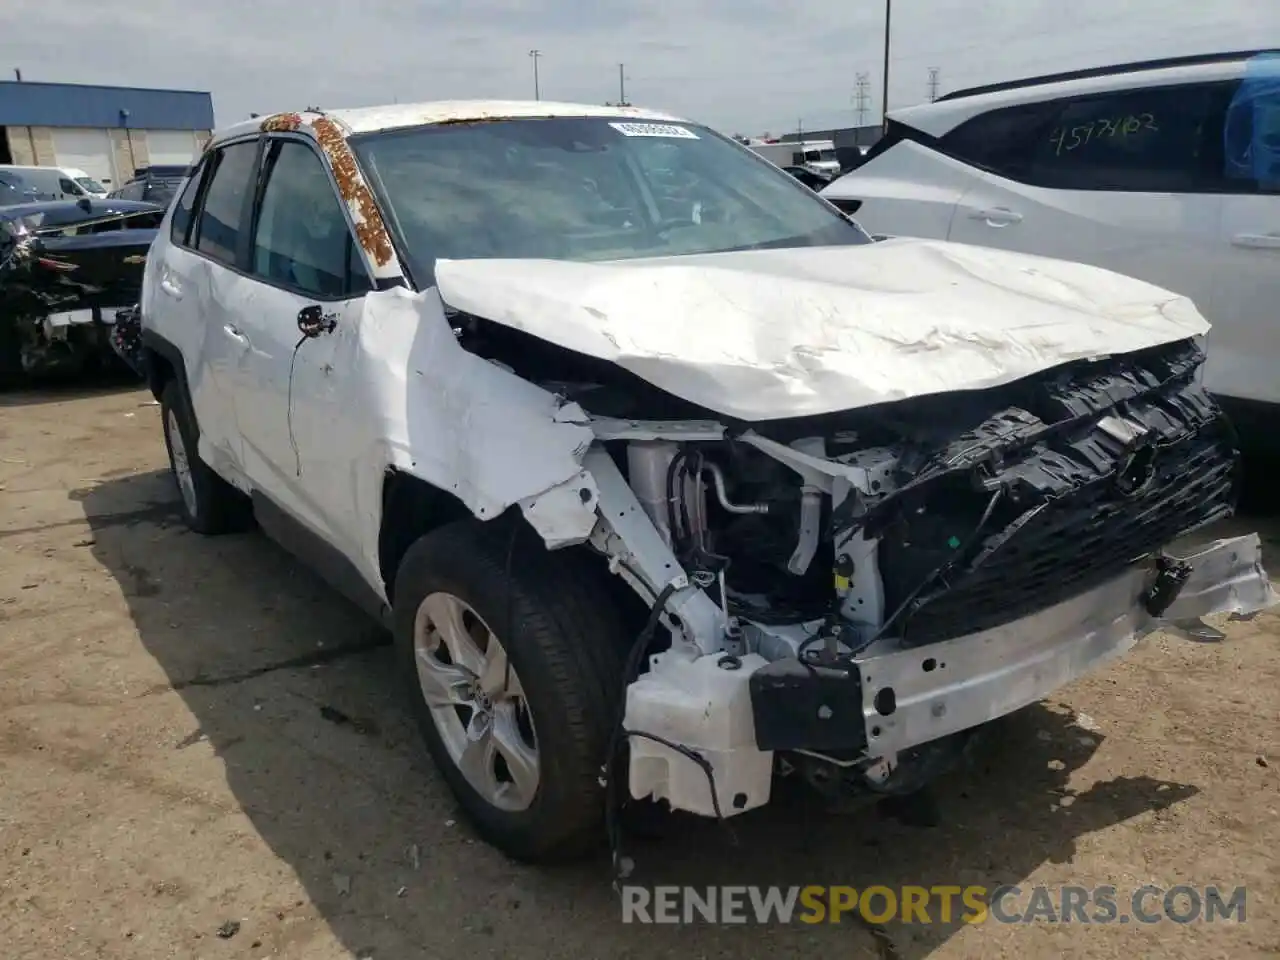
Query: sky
x: 741, y: 66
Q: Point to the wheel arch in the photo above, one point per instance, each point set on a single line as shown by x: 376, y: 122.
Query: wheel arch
x: 413, y: 507
x: 163, y: 362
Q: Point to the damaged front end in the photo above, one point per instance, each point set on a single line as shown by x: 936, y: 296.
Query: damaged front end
x: 851, y: 595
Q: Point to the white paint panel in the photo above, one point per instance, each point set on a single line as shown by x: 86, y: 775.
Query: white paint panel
x: 171, y: 146
x: 88, y: 150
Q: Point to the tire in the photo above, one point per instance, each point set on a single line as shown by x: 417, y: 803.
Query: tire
x: 564, y: 643
x: 209, y: 504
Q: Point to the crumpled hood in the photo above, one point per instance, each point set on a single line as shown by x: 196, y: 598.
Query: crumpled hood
x: 767, y: 334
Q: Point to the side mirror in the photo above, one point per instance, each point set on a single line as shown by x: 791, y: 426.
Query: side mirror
x: 84, y: 204
x: 313, y: 321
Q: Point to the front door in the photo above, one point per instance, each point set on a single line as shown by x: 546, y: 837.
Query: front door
x: 191, y: 290
x: 306, y: 270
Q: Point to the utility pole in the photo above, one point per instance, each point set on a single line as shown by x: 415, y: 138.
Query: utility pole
x: 888, y: 11
x: 800, y: 132
x: 861, y: 97
x: 17, y: 74
x: 933, y: 84
x: 534, y: 55
x: 622, y: 86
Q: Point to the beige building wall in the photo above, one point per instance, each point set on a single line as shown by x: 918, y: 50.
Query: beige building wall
x: 34, y: 146
x: 31, y: 146
x: 19, y: 143
x: 42, y: 137
x: 128, y: 152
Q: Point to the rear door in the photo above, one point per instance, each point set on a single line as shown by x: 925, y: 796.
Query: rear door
x: 200, y: 292
x: 1118, y: 179
x: 289, y: 389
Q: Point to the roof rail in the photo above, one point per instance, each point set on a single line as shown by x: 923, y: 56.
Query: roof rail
x: 1186, y: 61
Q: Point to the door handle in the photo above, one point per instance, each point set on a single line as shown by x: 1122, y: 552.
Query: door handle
x: 234, y: 333
x: 1257, y: 241
x: 171, y: 288
x: 996, y: 216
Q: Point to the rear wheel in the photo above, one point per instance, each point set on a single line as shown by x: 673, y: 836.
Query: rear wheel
x: 209, y: 504
x: 513, y: 666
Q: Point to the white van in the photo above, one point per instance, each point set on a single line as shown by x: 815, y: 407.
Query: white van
x: 57, y: 183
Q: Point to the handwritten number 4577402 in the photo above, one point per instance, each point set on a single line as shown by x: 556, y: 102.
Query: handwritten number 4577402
x: 1066, y: 140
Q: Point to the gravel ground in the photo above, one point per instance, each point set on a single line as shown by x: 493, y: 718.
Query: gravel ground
x: 202, y: 754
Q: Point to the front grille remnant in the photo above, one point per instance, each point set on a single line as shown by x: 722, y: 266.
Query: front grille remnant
x: 1107, y: 485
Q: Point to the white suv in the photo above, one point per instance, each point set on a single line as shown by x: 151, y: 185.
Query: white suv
x: 641, y: 449
x: 1168, y: 171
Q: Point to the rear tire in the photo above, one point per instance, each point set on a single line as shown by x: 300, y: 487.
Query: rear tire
x: 208, y: 503
x: 563, y: 644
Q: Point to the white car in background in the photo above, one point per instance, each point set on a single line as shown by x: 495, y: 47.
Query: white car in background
x: 1168, y: 171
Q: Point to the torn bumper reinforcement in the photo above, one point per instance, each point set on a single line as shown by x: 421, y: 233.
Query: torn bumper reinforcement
x: 737, y: 712
x: 921, y: 694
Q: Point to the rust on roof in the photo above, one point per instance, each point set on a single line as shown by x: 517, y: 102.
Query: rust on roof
x: 370, y: 229
x: 281, y: 122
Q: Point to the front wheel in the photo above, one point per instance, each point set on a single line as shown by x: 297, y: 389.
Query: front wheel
x: 513, y: 666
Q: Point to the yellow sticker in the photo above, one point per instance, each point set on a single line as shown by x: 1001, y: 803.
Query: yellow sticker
x: 843, y: 583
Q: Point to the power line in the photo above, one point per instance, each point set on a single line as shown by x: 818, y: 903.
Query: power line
x: 884, y: 116
x: 534, y: 55
x: 862, y: 97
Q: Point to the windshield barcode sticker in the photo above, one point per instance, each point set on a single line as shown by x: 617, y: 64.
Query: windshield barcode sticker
x: 654, y: 130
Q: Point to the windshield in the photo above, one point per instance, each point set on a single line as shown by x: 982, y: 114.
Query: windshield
x: 586, y: 188
x: 90, y: 184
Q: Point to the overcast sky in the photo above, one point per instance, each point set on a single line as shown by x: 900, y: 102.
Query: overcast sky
x: 747, y: 66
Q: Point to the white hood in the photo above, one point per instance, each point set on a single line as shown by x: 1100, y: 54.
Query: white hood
x: 767, y: 334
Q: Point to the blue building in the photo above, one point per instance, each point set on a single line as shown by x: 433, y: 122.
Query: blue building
x: 108, y: 132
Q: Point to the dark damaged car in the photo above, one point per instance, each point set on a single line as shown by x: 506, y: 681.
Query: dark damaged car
x: 667, y: 479
x: 66, y: 269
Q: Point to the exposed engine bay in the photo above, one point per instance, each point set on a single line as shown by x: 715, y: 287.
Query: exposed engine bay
x: 956, y: 512
x: 825, y: 542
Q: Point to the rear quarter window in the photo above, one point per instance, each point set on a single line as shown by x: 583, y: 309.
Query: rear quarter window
x: 180, y: 224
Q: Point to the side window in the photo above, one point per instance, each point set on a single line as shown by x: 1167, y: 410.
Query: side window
x: 218, y: 227
x: 142, y: 221
x: 1148, y: 140
x: 180, y: 225
x: 69, y: 188
x: 302, y: 240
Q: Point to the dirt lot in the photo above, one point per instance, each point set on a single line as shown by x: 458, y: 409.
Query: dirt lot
x: 195, y: 731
